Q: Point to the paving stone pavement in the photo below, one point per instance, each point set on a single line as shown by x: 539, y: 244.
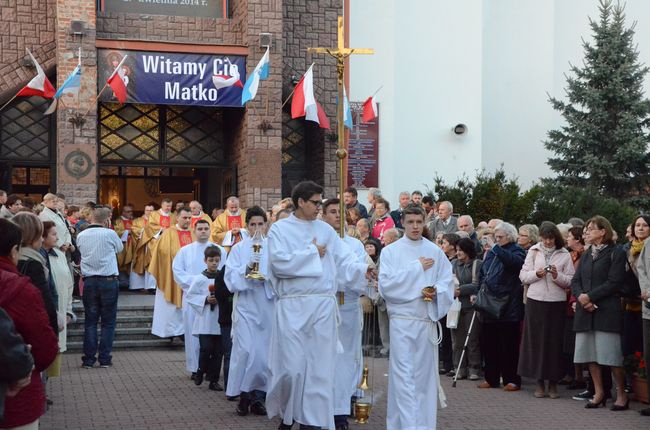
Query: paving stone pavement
x: 148, y: 389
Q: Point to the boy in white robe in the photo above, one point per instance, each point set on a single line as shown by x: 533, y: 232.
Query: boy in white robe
x: 407, y: 267
x: 252, y: 319
x: 305, y: 258
x: 349, y: 363
x: 188, y: 263
x: 201, y: 296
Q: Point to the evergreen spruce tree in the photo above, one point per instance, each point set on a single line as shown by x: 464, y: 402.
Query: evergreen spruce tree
x: 604, y: 144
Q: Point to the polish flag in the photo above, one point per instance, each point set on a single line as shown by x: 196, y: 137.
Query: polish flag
x: 369, y: 109
x: 116, y: 82
x: 39, y: 85
x: 224, y: 81
x: 304, y: 103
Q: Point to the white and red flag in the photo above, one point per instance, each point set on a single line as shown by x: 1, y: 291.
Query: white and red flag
x: 304, y: 103
x: 39, y: 85
x: 117, y: 83
x: 370, y: 110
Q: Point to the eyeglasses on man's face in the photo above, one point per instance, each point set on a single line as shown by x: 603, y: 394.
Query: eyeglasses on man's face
x: 316, y: 203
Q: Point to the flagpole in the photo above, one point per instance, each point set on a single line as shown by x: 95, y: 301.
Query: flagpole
x: 105, y: 85
x: 294, y: 88
x: 96, y: 97
x: 10, y: 100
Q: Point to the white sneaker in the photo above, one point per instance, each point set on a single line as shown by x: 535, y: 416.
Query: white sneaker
x: 474, y: 377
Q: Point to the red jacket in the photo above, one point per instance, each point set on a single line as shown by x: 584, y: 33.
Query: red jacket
x: 24, y: 304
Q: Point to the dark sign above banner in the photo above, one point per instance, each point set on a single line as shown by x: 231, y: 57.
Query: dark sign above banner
x: 175, y: 79
x: 363, y: 150
x: 198, y: 8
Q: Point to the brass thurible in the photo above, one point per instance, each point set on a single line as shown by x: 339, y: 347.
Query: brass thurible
x: 341, y: 297
x: 363, y: 385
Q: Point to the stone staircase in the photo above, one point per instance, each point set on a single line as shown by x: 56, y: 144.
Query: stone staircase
x: 132, y: 330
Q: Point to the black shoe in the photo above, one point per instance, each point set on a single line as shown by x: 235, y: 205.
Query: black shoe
x: 585, y: 395
x: 342, y: 426
x: 451, y: 373
x: 625, y: 407
x: 198, y: 378
x: 258, y: 408
x: 106, y: 365
x: 232, y: 398
x: 214, y: 386
x: 242, y: 407
x: 443, y: 371
x: 645, y: 412
x: 593, y: 405
x: 284, y: 426
x: 193, y: 376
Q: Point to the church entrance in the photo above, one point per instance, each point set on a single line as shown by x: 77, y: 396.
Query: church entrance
x: 147, y: 152
x: 27, y: 154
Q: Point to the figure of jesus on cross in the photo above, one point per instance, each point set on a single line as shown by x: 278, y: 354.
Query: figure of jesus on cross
x: 341, y: 53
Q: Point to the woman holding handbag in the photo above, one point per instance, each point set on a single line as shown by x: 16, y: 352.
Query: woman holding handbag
x: 500, y: 301
x: 466, y: 268
x: 547, y: 271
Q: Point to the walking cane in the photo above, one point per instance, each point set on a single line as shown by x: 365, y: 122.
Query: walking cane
x: 462, y: 354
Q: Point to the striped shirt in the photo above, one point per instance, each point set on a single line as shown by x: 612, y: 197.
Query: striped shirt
x: 98, y: 246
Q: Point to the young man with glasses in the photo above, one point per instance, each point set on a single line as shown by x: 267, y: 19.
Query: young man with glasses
x: 306, y: 259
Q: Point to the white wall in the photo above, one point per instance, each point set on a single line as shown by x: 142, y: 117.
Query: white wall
x: 432, y: 80
x: 487, y: 63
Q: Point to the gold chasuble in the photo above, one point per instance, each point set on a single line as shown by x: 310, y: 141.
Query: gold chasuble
x: 226, y: 222
x: 202, y: 216
x: 125, y: 257
x: 162, y: 256
x: 154, y: 224
x: 137, y: 229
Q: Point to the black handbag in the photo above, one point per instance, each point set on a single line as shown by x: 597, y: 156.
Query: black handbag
x: 488, y: 303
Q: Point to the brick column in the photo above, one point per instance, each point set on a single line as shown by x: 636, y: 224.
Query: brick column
x: 256, y: 151
x: 77, y: 144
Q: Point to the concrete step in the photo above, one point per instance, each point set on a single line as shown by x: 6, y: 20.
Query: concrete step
x: 123, y: 321
x: 122, y: 310
x: 128, y: 333
x: 155, y: 342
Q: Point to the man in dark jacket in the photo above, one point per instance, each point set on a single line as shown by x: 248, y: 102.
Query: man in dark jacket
x: 499, y: 275
x: 16, y: 363
x: 350, y: 197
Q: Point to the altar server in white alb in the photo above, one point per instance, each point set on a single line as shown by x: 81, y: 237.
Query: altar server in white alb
x: 187, y: 264
x: 305, y: 257
x: 201, y: 296
x: 349, y: 363
x: 408, y: 266
x: 252, y: 317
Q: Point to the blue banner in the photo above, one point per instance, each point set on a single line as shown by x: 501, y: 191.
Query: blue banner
x: 174, y: 78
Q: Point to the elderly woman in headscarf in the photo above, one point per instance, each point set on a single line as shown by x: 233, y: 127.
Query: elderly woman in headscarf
x: 499, y: 276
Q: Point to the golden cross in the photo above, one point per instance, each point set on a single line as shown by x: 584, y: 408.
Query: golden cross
x: 341, y: 53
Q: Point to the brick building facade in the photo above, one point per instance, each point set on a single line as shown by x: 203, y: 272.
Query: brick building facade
x: 266, y: 151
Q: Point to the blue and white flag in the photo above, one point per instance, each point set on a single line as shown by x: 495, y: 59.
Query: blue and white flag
x: 347, y: 114
x: 71, y: 85
x: 261, y: 71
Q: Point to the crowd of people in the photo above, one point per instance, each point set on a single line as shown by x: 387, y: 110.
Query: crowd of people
x: 259, y: 294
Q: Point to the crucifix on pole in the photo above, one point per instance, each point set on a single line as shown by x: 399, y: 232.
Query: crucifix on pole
x: 340, y: 53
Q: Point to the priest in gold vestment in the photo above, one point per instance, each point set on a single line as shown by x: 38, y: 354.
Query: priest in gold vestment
x: 229, y: 227
x: 122, y: 226
x: 167, y: 311
x: 157, y: 223
x: 197, y: 213
x: 136, y: 278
